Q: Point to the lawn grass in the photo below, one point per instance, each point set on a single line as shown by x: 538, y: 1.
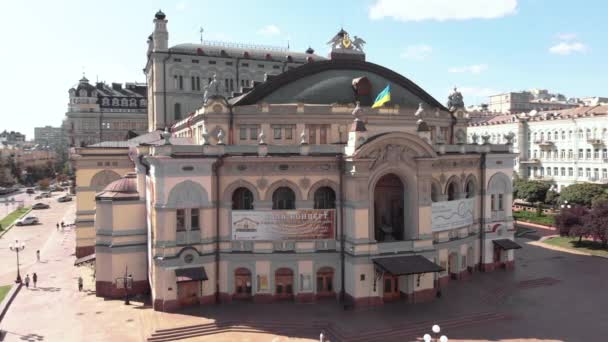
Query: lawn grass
x: 3, y: 291
x: 10, y: 218
x: 587, y: 246
x: 529, y: 216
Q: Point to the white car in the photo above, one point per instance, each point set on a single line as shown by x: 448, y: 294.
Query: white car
x: 26, y: 221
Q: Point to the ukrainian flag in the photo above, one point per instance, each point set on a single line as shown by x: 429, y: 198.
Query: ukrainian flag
x: 383, y: 97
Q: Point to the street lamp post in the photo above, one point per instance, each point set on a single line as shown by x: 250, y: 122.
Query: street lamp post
x: 17, y: 247
x: 436, y: 329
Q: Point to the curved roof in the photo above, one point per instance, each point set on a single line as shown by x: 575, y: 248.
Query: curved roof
x: 121, y: 189
x: 330, y: 81
x: 255, y: 53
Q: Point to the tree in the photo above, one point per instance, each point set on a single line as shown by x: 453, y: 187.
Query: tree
x: 531, y: 191
x: 571, y: 221
x: 597, y: 223
x: 552, y: 197
x: 582, y: 193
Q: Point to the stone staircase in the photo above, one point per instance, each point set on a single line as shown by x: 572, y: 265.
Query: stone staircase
x: 333, y: 333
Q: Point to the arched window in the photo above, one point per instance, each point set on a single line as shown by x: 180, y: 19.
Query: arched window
x: 325, y: 198
x: 435, y: 192
x: 242, y: 199
x: 133, y: 103
x: 142, y: 102
x: 549, y: 136
x: 177, y: 111
x: 283, y: 198
x: 115, y: 102
x: 82, y: 93
x: 470, y: 189
x: 124, y: 102
x: 105, y: 101
x: 452, y: 191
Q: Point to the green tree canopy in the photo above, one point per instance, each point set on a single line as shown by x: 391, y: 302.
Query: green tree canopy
x: 582, y: 193
x: 530, y: 190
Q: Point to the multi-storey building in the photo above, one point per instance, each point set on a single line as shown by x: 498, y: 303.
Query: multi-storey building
x: 296, y: 189
x: 103, y: 112
x: 525, y: 101
x: 566, y: 146
x: 53, y: 137
x: 177, y: 76
x: 12, y: 138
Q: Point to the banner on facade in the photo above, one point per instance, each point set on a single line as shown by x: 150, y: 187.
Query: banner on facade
x: 303, y: 224
x: 448, y: 215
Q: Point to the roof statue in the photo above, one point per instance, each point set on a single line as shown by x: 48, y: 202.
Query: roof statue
x: 336, y: 41
x: 419, y: 111
x: 214, y: 89
x: 455, y: 100
x: 358, y: 43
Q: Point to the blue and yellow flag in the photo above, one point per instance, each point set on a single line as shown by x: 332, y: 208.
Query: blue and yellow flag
x: 383, y: 97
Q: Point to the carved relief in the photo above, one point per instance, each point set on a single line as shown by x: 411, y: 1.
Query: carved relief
x: 390, y: 153
x: 262, y: 183
x: 305, y: 183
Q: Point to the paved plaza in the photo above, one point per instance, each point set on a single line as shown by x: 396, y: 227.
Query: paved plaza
x: 550, y: 296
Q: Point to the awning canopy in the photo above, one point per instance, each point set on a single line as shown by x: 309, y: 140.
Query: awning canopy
x: 84, y: 260
x: 190, y: 274
x: 407, y: 264
x: 506, y: 244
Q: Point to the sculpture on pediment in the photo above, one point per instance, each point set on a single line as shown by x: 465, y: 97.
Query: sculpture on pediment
x: 509, y: 137
x: 475, y: 138
x: 214, y: 89
x: 455, y: 100
x: 390, y: 152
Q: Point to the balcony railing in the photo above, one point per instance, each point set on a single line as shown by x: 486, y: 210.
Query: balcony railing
x: 531, y: 161
x: 595, y: 142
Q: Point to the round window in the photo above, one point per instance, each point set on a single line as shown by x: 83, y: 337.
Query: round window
x: 188, y: 258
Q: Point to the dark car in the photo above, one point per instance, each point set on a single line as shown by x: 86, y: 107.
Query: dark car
x: 40, y: 206
x: 64, y: 199
x: 30, y: 191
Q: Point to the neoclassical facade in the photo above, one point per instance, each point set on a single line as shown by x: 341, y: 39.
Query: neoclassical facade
x: 298, y: 190
x: 563, y: 147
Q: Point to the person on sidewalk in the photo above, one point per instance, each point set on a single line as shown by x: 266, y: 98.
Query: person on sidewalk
x: 27, y: 281
x: 57, y: 226
x: 35, y: 279
x: 38, y: 255
x: 79, y: 283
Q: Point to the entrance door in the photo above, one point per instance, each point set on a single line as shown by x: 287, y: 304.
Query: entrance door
x: 453, y: 265
x: 242, y: 280
x: 188, y: 292
x: 283, y: 283
x: 325, y: 286
x: 391, y: 288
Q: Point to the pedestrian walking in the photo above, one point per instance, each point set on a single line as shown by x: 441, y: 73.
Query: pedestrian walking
x: 35, y: 278
x: 62, y: 225
x: 27, y: 281
x: 57, y: 226
x: 38, y: 255
x: 79, y: 283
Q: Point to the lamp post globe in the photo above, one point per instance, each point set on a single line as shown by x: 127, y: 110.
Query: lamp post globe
x: 426, y: 338
x: 443, y: 338
x: 436, y: 329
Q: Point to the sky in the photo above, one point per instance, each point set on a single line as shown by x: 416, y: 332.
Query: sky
x: 481, y: 46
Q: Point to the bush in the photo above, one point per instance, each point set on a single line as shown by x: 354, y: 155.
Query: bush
x: 582, y: 193
x: 570, y: 220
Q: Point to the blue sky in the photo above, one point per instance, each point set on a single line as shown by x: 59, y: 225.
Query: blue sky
x: 481, y: 46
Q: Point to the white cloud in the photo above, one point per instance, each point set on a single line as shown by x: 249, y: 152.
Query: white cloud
x: 180, y: 6
x: 417, y: 52
x: 566, y: 36
x: 473, y: 69
x: 441, y: 10
x: 269, y: 30
x: 564, y: 48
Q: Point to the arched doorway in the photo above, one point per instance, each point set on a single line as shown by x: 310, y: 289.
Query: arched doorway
x: 283, y: 282
x: 325, y: 282
x: 389, y: 208
x: 242, y: 283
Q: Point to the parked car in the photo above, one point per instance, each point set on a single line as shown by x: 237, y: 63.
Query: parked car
x: 46, y: 195
x: 41, y: 206
x: 26, y: 221
x: 30, y: 191
x: 64, y: 199
x: 38, y: 197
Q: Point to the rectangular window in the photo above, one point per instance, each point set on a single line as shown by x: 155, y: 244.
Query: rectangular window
x: 529, y: 171
x: 231, y: 84
x: 177, y: 59
x: 500, y: 202
x: 277, y: 133
x: 570, y: 154
x: 245, y: 64
x: 492, y: 202
x: 181, y: 220
x: 194, y: 222
x: 580, y: 172
x: 228, y: 63
x: 289, y: 133
x: 243, y: 133
x: 562, y: 154
x: 211, y: 62
x: 588, y: 172
x: 580, y: 153
x: 604, y: 173
x: 596, y: 173
x: 195, y: 61
x: 563, y: 170
x: 193, y: 83
x: 198, y: 83
x: 555, y: 173
x: 596, y: 154
x: 548, y: 171
x: 605, y: 153
x: 542, y: 154
x: 181, y: 82
x: 534, y: 155
x: 323, y: 135
x: 261, y: 66
x: 276, y: 67
x: 588, y: 155
x: 226, y: 84
x: 570, y: 172
x: 253, y: 133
